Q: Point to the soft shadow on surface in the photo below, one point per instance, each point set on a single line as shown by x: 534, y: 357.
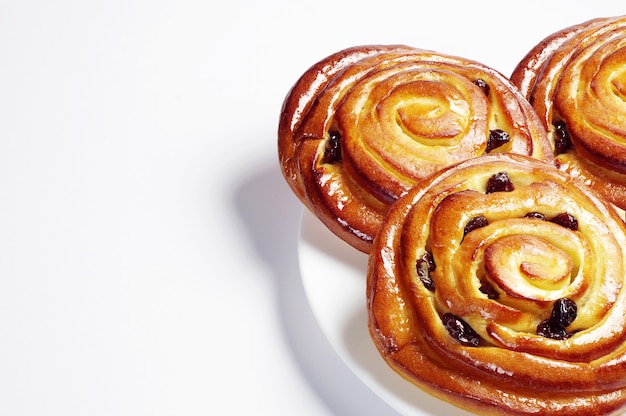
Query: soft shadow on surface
x: 271, y: 214
x: 356, y: 339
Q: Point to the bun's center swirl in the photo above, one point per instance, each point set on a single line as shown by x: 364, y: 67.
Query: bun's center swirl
x: 432, y: 113
x: 527, y: 266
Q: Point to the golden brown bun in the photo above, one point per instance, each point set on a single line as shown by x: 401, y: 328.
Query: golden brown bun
x: 500, y: 272
x: 363, y: 125
x: 576, y: 78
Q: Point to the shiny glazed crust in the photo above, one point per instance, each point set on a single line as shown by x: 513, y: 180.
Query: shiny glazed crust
x: 502, y: 279
x: 577, y: 76
x: 363, y: 125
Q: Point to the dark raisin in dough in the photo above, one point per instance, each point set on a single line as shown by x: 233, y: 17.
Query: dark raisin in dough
x: 500, y: 182
x: 425, y: 266
x: 566, y: 220
x: 496, y: 139
x: 562, y: 140
x: 476, y: 222
x: 332, y: 153
x: 480, y: 83
x: 488, y: 289
x: 536, y: 215
x: 460, y: 330
x: 548, y: 330
x: 564, y: 312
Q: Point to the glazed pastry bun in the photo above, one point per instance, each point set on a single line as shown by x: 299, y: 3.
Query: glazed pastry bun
x: 576, y: 80
x: 363, y: 125
x: 497, y: 284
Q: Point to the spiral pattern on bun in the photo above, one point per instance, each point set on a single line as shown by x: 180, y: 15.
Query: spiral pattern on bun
x: 576, y: 80
x: 363, y: 125
x: 497, y: 284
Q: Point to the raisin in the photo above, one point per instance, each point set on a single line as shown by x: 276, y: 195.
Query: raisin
x: 562, y: 140
x: 332, y: 153
x: 500, y: 182
x: 425, y: 266
x: 548, y: 330
x: 476, y: 222
x: 488, y: 289
x: 564, y: 312
x: 460, y: 330
x: 566, y: 220
x: 480, y: 83
x: 536, y: 215
x: 496, y: 139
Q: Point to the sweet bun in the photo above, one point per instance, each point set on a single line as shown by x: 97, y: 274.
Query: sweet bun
x: 363, y: 125
x: 575, y: 79
x: 497, y: 284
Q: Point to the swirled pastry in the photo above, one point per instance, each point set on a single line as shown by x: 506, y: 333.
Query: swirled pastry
x: 497, y: 284
x: 576, y: 80
x: 363, y: 125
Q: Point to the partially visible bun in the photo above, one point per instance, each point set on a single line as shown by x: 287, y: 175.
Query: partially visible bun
x: 363, y: 125
x: 575, y: 79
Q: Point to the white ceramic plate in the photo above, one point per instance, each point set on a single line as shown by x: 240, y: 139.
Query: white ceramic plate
x: 333, y: 275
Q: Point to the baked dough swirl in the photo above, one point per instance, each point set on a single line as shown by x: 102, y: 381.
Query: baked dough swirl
x: 497, y: 284
x: 576, y: 80
x: 363, y: 125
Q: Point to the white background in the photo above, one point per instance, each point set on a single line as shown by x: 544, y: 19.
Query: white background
x: 148, y: 243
